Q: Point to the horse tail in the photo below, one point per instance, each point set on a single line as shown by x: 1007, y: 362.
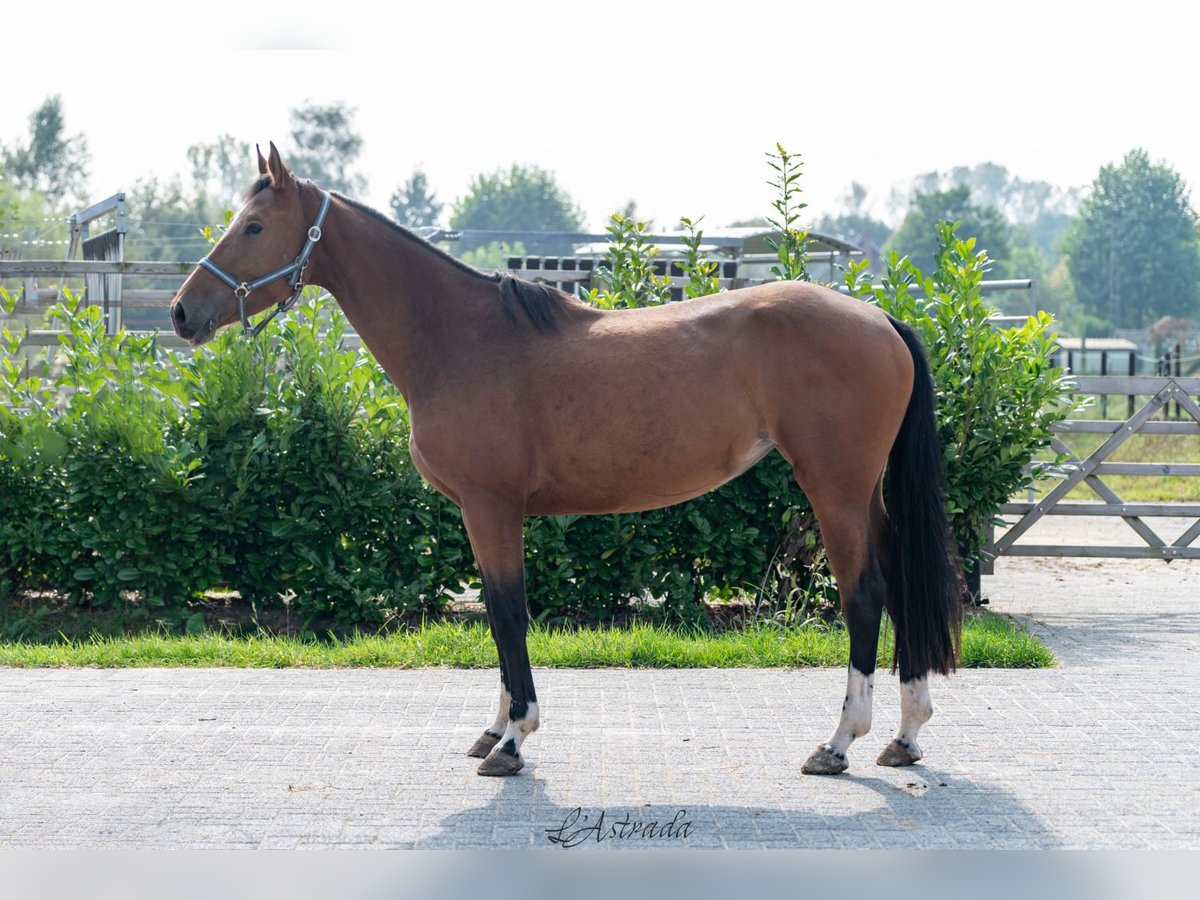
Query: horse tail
x: 925, y: 600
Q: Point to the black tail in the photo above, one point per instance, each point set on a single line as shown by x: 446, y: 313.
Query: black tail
x: 925, y: 602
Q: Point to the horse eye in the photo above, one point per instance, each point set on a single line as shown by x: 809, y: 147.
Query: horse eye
x: 253, y: 228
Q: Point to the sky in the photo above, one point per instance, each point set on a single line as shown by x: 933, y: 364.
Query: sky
x: 672, y: 105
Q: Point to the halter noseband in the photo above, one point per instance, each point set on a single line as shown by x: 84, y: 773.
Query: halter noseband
x: 242, y: 289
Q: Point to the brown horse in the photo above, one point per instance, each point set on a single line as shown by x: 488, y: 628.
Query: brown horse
x: 519, y: 406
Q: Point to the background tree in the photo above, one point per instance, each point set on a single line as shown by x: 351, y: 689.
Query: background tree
x: 917, y: 236
x: 51, y: 162
x: 1132, y: 253
x: 30, y: 228
x: 222, y: 170
x: 854, y: 222
x: 413, y: 204
x: 1039, y: 207
x: 1038, y: 214
x: 325, y: 147
x: 165, y: 220
x: 521, y: 198
x: 630, y: 211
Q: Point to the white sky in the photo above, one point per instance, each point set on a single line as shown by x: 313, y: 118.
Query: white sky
x: 670, y: 104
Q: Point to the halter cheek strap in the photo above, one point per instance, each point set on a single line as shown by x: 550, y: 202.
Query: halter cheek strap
x: 243, y: 289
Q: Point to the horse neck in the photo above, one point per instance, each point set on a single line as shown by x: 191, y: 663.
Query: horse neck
x: 414, y: 309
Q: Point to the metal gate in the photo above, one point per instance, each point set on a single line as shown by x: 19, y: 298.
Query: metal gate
x: 1175, y: 398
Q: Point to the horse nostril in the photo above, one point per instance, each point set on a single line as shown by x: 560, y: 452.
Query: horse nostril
x: 178, y: 316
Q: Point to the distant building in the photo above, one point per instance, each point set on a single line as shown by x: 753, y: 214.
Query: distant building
x: 1095, y: 356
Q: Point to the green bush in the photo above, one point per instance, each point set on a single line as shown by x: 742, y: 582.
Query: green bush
x: 321, y: 501
x: 718, y: 544
x: 279, y: 468
x: 997, y: 393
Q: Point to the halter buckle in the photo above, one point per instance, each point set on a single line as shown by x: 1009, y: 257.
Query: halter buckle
x: 314, y: 233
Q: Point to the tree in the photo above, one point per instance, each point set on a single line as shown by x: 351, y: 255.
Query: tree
x: 1038, y: 214
x: 917, y: 235
x: 854, y: 221
x: 51, y: 162
x: 522, y: 198
x: 413, y: 204
x: 1132, y: 253
x: 325, y: 147
x: 221, y: 170
x: 1039, y: 207
x: 165, y: 221
x: 28, y: 223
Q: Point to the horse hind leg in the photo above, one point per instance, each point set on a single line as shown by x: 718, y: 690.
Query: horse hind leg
x: 915, y: 710
x: 854, y: 557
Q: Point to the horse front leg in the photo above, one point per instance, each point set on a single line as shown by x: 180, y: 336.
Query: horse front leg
x: 492, y: 734
x: 495, y: 532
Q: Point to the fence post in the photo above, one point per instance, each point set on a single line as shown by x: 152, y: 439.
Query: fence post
x: 1104, y: 371
x: 1130, y: 398
x: 1178, y: 373
x: 29, y: 290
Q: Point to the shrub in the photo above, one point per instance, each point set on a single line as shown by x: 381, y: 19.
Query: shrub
x: 997, y: 393
x: 718, y: 544
x: 277, y: 468
x: 280, y: 468
x: 626, y: 275
x: 319, y: 500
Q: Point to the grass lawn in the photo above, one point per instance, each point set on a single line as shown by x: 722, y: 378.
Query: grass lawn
x: 989, y: 641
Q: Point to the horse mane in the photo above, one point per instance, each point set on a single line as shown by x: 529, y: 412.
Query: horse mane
x: 541, y: 305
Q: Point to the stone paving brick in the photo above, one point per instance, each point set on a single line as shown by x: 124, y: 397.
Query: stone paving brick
x: 1099, y: 752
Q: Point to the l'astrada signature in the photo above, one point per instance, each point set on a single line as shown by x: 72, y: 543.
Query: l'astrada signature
x: 579, y: 827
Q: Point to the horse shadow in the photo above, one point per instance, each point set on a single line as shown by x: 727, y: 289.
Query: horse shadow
x: 923, y: 809
x: 522, y: 815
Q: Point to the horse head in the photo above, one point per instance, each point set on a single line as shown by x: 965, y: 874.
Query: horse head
x: 255, y: 263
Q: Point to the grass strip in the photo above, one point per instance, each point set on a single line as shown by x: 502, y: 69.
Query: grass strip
x: 989, y: 641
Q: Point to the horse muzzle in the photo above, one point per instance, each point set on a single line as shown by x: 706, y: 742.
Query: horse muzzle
x: 194, y: 326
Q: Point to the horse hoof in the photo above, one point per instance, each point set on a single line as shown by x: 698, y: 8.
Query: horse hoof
x: 482, y: 747
x: 899, y: 753
x: 825, y: 761
x: 501, y: 763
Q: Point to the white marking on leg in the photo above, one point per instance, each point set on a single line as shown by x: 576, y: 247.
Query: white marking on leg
x: 501, y: 720
x: 915, y: 710
x: 517, y: 730
x: 856, y: 711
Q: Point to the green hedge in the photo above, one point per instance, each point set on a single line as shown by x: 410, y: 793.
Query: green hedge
x: 279, y: 468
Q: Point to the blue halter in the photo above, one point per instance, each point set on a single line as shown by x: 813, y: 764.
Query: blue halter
x: 242, y: 289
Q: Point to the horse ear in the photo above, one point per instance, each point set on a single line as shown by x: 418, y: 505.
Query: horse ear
x: 280, y: 175
x: 262, y: 160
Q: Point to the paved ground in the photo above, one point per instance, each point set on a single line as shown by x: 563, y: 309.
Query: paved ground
x: 1101, y: 752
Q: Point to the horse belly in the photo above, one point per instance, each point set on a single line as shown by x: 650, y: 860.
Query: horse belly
x: 628, y: 479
